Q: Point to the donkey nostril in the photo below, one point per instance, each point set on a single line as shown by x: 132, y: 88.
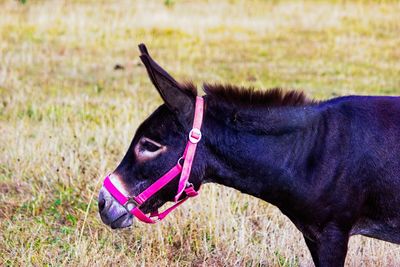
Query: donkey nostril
x: 102, y: 204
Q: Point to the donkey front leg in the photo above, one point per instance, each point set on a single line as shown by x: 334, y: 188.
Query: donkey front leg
x: 313, y: 248
x: 330, y: 248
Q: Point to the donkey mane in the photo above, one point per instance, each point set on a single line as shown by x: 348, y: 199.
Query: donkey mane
x: 249, y: 97
x: 246, y: 97
x: 188, y: 87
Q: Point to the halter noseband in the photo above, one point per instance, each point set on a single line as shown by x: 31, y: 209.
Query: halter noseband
x: 133, y: 203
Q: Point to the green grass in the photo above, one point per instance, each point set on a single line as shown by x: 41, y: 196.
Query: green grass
x: 67, y: 117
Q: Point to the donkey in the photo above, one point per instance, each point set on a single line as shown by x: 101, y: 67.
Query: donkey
x: 332, y: 167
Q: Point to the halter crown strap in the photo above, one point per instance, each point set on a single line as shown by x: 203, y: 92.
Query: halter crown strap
x: 132, y: 204
x: 190, y: 150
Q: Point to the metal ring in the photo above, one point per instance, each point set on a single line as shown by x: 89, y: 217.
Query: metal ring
x: 179, y: 161
x: 131, y: 200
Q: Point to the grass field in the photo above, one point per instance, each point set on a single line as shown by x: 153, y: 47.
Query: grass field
x: 67, y: 118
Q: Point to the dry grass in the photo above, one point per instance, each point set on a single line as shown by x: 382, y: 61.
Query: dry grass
x: 66, y: 118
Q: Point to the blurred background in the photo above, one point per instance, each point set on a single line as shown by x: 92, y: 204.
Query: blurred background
x: 73, y: 92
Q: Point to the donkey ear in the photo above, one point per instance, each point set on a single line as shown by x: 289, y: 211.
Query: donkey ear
x: 178, y: 99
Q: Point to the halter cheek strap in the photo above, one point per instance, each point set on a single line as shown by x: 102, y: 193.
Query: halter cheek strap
x: 133, y: 203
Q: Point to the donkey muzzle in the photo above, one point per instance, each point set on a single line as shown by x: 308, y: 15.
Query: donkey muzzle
x: 111, y: 212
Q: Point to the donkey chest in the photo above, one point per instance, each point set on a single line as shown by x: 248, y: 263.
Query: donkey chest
x: 311, y: 232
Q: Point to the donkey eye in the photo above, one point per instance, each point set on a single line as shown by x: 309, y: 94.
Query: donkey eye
x: 148, y: 149
x: 149, y: 146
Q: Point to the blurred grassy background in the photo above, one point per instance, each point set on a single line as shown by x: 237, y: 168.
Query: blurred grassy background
x: 67, y: 117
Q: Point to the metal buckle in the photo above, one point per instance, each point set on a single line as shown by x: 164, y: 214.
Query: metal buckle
x: 193, y: 139
x: 131, y: 200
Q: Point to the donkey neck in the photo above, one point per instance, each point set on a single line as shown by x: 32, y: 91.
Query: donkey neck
x: 261, y: 151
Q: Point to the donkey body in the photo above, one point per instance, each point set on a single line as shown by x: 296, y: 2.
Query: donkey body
x: 333, y: 167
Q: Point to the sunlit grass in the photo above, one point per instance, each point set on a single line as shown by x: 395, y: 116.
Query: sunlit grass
x: 67, y: 117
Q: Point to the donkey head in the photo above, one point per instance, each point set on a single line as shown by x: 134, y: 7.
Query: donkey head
x: 156, y: 147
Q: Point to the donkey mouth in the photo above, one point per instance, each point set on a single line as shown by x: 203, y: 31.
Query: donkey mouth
x: 123, y: 221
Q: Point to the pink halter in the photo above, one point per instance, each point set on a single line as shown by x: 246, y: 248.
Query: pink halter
x: 184, y: 185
